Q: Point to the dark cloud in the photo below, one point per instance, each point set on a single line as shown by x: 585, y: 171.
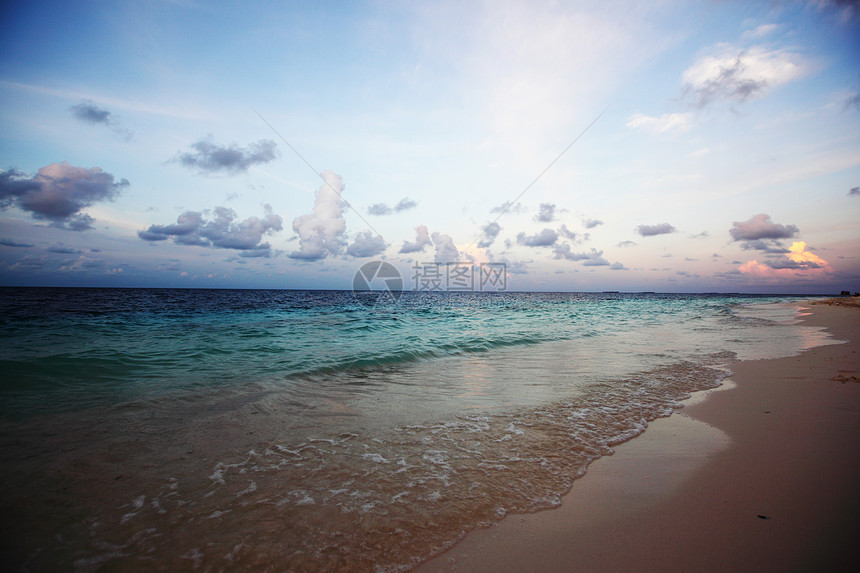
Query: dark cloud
x: 405, y: 204
x: 489, y: 234
x: 379, y: 209
x: 790, y: 264
x: 761, y: 227
x: 366, y: 244
x: 624, y: 244
x: 193, y: 228
x: 853, y: 101
x: 422, y: 239
x: 58, y: 193
x: 184, y: 231
x: 855, y: 192
x: 618, y: 267
x: 651, y: 230
x: 508, y: 207
x: 591, y: 223
x: 382, y: 209
x: 14, y: 243
x: 60, y: 249
x: 594, y: 258
x: 546, y: 213
x: 771, y: 246
x: 209, y: 157
x: 545, y: 238
x: 570, y: 235
x: 90, y: 113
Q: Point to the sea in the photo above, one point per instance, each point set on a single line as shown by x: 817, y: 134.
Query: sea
x: 287, y: 430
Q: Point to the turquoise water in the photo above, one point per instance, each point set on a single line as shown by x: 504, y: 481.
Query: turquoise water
x: 302, y: 430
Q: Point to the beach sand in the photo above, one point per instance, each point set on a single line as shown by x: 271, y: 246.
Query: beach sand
x: 763, y: 475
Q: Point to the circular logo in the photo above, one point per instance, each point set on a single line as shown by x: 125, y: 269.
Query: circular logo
x: 377, y: 282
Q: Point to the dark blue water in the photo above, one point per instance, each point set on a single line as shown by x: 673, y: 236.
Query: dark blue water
x: 71, y: 348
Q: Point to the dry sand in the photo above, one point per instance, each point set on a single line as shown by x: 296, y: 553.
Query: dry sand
x: 761, y: 476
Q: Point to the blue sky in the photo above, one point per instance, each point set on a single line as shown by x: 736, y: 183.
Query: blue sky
x: 149, y: 143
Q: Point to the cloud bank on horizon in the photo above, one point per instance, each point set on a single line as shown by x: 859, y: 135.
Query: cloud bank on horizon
x: 727, y: 159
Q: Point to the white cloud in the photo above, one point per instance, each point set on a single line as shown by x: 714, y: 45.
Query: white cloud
x: 760, y: 31
x: 737, y: 75
x: 366, y: 244
x: 446, y: 250
x: 665, y: 123
x: 321, y: 232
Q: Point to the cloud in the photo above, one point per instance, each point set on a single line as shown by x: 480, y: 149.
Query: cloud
x: 618, y: 267
x: 760, y: 227
x: 422, y: 239
x: 852, y: 100
x: 508, y: 207
x: 210, y: 157
x: 774, y: 247
x: 545, y: 238
x: 570, y: 235
x: 90, y: 113
x: 799, y: 262
x: 665, y: 123
x: 651, y: 230
x: 760, y: 31
x: 184, y: 231
x: 193, y: 228
x: 446, y: 251
x: 702, y: 235
x: 366, y: 244
x: 625, y: 244
x: 847, y: 9
x: 383, y: 209
x: 379, y: 209
x: 321, y: 232
x: 60, y: 249
x: 14, y: 243
x: 591, y: 223
x: 405, y: 204
x: 594, y: 258
x: 736, y: 75
x: 546, y: 213
x: 489, y: 234
x: 854, y: 192
x: 58, y: 192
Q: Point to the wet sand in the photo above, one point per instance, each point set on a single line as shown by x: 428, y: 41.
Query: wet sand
x: 761, y: 475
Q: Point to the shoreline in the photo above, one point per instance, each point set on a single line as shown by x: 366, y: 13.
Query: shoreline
x: 759, y: 475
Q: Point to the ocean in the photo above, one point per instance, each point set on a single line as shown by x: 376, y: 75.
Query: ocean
x: 277, y: 430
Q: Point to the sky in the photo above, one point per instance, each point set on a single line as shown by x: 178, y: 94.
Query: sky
x: 665, y: 146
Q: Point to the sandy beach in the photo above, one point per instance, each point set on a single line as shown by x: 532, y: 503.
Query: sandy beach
x: 760, y: 474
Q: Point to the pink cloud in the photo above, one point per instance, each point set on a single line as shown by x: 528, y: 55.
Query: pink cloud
x: 798, y: 263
